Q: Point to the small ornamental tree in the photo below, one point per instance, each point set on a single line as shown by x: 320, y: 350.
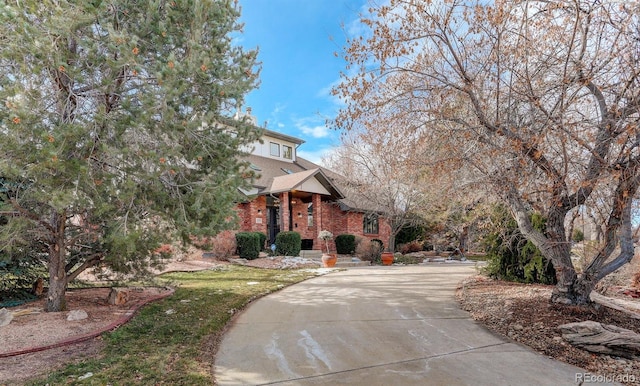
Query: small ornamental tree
x: 325, y: 236
x: 113, y: 133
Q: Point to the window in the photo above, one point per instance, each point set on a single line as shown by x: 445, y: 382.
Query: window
x: 370, y: 224
x: 274, y: 149
x: 287, y: 152
x: 310, y: 215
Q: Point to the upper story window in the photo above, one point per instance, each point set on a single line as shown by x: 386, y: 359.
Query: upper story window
x: 274, y: 149
x: 287, y: 152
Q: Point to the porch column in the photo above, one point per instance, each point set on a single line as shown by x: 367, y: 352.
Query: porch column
x: 317, y: 220
x: 284, y: 211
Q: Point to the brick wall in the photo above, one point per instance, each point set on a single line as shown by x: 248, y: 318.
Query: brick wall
x: 253, y: 215
x: 326, y: 216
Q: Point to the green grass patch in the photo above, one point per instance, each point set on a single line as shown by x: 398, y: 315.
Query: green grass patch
x: 173, y: 341
x: 475, y: 257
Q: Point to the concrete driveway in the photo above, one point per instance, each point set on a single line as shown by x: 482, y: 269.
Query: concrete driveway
x: 397, y: 325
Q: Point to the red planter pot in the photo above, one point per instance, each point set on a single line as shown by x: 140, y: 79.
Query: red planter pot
x: 329, y: 260
x: 387, y: 258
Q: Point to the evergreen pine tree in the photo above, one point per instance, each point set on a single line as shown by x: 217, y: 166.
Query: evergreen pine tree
x: 113, y: 128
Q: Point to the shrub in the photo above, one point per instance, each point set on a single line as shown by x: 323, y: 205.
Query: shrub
x: 222, y: 246
x: 346, y: 244
x: 288, y: 243
x: 510, y: 256
x: 263, y: 239
x: 410, y: 233
x: 248, y: 245
x: 20, y: 274
x: 413, y: 246
x: 369, y: 250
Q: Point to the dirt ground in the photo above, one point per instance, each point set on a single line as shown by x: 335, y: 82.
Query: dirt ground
x: 521, y: 312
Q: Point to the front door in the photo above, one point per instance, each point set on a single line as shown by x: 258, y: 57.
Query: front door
x: 273, y: 223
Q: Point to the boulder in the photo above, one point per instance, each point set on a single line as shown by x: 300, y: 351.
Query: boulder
x: 118, y: 296
x: 77, y: 315
x: 5, y: 317
x: 603, y: 339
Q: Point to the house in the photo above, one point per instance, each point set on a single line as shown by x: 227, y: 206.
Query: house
x: 291, y: 193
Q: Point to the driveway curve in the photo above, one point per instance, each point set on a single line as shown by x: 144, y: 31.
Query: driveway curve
x: 376, y: 326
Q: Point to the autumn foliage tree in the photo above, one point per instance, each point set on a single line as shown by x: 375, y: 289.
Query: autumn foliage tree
x: 113, y: 134
x: 538, y: 100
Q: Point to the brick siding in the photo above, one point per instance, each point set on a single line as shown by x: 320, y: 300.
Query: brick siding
x: 330, y: 217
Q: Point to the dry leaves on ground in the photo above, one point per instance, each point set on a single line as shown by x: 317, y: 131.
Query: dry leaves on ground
x: 523, y: 313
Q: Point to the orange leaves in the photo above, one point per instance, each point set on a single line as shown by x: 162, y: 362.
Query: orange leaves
x: 51, y: 139
x: 171, y: 65
x: 162, y: 160
x: 203, y: 67
x: 135, y: 50
x: 16, y: 120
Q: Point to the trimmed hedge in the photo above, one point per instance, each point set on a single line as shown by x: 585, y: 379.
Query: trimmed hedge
x: 288, y: 243
x: 248, y: 245
x: 263, y: 239
x: 346, y: 244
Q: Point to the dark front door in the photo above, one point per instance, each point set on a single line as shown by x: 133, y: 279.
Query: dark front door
x: 273, y: 223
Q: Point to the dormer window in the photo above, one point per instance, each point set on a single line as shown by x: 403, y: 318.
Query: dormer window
x: 274, y: 149
x: 287, y: 152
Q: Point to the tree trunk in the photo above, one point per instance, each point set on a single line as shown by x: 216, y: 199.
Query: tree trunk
x: 56, y: 300
x: 463, y: 239
x: 572, y: 292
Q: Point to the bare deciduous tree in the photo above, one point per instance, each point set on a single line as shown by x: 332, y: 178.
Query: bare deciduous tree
x: 381, y: 171
x: 539, y: 98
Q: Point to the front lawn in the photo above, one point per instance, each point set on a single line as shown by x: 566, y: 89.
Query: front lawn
x: 173, y: 341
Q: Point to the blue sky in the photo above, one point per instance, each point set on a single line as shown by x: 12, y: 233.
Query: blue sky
x: 297, y: 40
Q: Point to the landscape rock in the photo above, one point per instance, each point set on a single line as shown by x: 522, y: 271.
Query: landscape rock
x: 77, y: 315
x: 118, y: 296
x: 5, y: 317
x: 603, y: 339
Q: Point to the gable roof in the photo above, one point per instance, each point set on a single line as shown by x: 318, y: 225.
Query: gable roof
x: 275, y: 176
x: 295, y: 181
